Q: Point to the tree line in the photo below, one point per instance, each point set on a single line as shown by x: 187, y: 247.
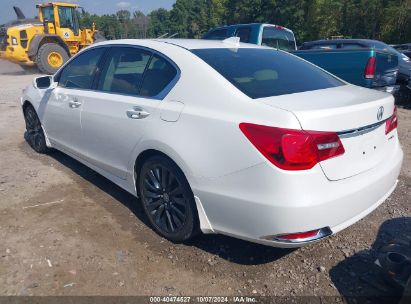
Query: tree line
x: 386, y: 20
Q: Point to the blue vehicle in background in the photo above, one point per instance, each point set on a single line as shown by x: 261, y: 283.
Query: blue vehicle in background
x: 367, y: 67
x: 271, y: 35
x: 404, y: 62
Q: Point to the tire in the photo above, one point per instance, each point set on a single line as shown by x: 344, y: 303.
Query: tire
x: 50, y: 57
x: 167, y: 200
x: 34, y: 131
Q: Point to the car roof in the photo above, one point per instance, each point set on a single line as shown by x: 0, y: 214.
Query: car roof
x: 365, y: 41
x: 188, y: 44
x: 249, y: 25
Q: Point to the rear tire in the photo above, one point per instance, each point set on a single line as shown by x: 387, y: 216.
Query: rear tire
x: 50, y: 57
x: 167, y: 199
x: 35, y: 134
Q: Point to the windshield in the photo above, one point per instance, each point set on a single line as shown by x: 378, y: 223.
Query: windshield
x: 261, y: 72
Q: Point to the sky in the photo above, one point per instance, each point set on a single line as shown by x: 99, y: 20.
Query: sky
x: 93, y: 6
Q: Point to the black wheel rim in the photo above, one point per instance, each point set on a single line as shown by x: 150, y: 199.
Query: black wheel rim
x: 34, y: 130
x: 164, y: 199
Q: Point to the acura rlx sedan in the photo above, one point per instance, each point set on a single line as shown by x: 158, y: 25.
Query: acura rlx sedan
x: 221, y: 137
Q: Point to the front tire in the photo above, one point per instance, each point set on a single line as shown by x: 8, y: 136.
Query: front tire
x: 34, y: 131
x: 50, y: 57
x: 167, y: 199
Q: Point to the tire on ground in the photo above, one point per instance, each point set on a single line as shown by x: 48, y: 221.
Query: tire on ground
x: 34, y: 134
x: 191, y: 226
x: 43, y: 54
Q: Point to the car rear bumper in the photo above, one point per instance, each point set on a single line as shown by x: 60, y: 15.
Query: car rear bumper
x: 264, y: 201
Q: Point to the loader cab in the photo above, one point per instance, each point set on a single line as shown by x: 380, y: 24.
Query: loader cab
x: 60, y: 19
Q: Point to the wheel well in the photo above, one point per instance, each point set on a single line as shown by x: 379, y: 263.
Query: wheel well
x: 39, y: 40
x: 27, y: 104
x: 142, y: 158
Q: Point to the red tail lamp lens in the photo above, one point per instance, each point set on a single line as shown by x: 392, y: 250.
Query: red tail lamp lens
x: 392, y: 122
x: 293, y: 149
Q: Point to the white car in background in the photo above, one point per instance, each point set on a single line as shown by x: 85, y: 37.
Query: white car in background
x: 222, y: 137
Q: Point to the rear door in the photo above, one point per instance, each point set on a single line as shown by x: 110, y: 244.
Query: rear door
x: 129, y: 91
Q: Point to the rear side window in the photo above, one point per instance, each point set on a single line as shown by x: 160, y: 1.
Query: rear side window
x: 157, y: 76
x: 324, y: 46
x: 352, y: 46
x: 262, y: 73
x: 123, y: 71
x: 79, y: 73
x: 278, y: 38
x: 219, y: 34
x: 244, y: 34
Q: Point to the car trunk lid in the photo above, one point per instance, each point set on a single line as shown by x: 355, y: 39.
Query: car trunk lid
x: 358, y: 116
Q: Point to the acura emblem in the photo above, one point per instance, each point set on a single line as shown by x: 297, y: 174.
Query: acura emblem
x: 380, y: 113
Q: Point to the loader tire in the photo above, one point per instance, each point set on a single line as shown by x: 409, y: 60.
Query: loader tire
x: 50, y: 57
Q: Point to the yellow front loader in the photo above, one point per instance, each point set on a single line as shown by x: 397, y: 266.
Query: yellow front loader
x: 48, y: 41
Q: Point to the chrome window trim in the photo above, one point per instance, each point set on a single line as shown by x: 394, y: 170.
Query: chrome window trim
x: 159, y: 96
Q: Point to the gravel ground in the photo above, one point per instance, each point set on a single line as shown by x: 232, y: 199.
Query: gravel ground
x: 93, y: 239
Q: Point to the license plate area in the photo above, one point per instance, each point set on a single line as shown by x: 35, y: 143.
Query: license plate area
x: 363, y: 151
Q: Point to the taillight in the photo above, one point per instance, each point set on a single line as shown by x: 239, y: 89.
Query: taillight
x: 370, y: 68
x: 293, y: 149
x: 392, y: 123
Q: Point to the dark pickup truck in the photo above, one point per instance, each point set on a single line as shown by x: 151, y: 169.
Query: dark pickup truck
x: 404, y: 63
x: 368, y: 68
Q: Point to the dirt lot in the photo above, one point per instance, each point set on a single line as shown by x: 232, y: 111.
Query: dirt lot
x: 91, y: 238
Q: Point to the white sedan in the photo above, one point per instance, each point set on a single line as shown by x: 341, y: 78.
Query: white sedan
x: 221, y: 137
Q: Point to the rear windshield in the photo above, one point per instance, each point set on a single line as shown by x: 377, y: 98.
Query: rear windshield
x: 264, y: 72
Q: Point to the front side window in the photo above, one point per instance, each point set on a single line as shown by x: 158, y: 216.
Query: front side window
x: 262, y: 73
x: 48, y: 13
x: 66, y: 17
x: 244, y: 34
x: 158, y: 75
x: 219, y: 34
x: 124, y: 70
x: 278, y: 38
x: 79, y: 73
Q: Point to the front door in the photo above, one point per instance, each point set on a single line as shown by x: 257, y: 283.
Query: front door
x: 61, y: 108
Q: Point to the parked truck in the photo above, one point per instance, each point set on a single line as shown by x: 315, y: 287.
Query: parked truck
x: 367, y: 67
x: 404, y: 63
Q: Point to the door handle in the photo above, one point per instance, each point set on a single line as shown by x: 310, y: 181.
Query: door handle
x: 74, y: 104
x: 137, y: 113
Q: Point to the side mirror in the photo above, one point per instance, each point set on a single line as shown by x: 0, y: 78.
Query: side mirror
x: 43, y: 82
